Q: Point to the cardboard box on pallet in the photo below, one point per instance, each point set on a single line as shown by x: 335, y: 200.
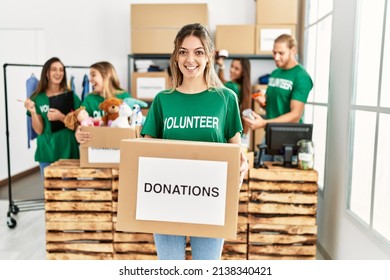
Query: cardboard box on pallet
x: 102, y: 150
x: 179, y: 187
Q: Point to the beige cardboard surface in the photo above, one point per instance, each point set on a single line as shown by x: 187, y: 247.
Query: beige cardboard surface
x: 132, y: 149
x: 159, y: 16
x: 151, y: 75
x: 104, y: 137
x: 277, y: 11
x: 227, y: 36
x: 264, y: 45
x: 153, y: 40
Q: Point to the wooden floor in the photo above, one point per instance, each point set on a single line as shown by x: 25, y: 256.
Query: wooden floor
x: 27, y: 240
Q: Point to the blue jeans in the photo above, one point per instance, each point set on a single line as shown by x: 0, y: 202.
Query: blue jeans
x: 172, y: 247
x: 42, y: 166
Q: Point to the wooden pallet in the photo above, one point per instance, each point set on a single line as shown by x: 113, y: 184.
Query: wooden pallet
x: 130, y: 245
x: 78, y: 212
x: 277, y: 216
x: 282, y: 212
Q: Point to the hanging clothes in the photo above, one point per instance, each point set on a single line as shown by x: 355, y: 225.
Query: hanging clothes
x: 31, y: 85
x: 86, y: 88
x: 71, y: 84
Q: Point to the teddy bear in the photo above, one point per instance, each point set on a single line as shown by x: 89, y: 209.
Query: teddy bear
x: 111, y: 108
x: 78, y: 117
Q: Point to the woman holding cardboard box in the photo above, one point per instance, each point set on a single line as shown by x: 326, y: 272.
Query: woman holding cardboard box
x: 105, y: 84
x: 196, y: 92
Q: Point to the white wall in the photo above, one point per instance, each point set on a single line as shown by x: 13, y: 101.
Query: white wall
x: 80, y: 33
x: 340, y: 235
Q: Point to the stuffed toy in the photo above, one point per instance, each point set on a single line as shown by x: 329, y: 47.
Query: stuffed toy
x: 137, y: 117
x: 111, y: 108
x: 132, y: 101
x: 122, y: 120
x: 78, y: 117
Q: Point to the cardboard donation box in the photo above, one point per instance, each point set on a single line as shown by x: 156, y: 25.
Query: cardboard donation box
x: 102, y: 150
x: 179, y: 187
x: 145, y: 86
x: 266, y: 34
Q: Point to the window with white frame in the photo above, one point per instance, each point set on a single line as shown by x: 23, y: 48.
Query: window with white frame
x: 369, y: 156
x: 318, y: 31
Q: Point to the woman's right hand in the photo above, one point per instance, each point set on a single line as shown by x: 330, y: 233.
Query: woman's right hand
x: 219, y: 61
x: 30, y: 106
x: 82, y: 136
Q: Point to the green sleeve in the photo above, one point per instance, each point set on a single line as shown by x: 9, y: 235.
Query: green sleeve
x: 233, y: 118
x: 153, y: 125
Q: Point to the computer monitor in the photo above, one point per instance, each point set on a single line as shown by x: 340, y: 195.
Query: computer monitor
x: 282, y: 138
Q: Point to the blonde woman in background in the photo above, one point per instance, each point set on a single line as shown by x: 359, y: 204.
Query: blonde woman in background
x: 105, y: 82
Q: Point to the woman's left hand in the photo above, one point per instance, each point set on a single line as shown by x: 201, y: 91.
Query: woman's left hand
x: 244, y: 167
x: 55, y: 115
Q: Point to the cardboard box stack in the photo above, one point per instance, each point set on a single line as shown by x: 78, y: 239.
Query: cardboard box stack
x: 154, y: 26
x: 273, y: 18
x: 228, y: 36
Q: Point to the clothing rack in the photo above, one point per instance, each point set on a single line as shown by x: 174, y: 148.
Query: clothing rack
x: 25, y: 205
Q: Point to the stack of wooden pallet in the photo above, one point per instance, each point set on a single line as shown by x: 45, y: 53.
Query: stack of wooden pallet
x: 78, y: 212
x: 282, y: 213
x: 276, y: 219
x: 130, y: 245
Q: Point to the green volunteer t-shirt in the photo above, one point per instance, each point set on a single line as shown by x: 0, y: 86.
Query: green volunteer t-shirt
x: 209, y: 116
x: 284, y: 86
x: 52, y: 146
x: 234, y: 87
x: 93, y: 100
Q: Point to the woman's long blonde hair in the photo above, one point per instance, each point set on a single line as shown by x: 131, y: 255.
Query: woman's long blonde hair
x: 111, y: 85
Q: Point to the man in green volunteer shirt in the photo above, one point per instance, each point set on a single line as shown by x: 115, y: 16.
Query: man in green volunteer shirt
x: 288, y: 87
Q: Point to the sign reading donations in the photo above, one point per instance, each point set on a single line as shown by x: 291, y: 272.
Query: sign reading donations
x: 181, y: 190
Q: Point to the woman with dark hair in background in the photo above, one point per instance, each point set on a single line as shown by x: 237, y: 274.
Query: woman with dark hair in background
x: 240, y: 83
x: 51, y: 145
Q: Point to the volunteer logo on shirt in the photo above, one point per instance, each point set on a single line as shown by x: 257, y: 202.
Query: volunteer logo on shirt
x: 191, y: 122
x: 280, y: 83
x: 44, y: 108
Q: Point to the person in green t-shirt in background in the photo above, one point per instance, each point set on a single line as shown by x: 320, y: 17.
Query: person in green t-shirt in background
x: 288, y: 87
x: 51, y: 145
x: 240, y: 83
x: 105, y: 82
